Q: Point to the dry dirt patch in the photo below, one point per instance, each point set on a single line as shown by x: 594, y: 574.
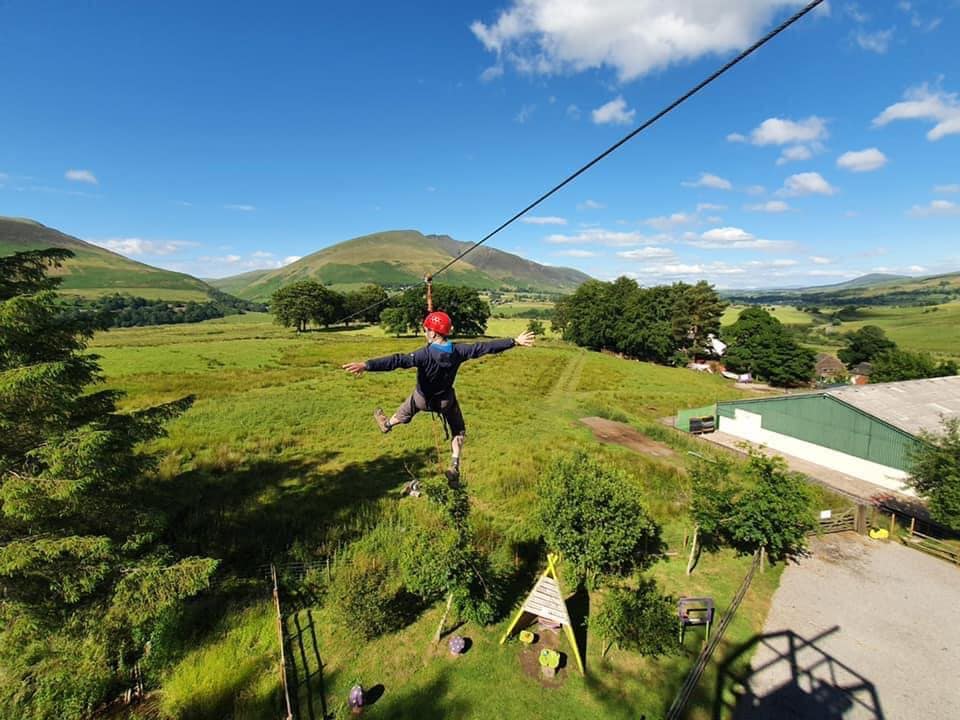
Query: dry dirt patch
x: 617, y: 433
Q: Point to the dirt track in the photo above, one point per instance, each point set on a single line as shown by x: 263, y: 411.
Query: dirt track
x: 861, y: 629
x: 617, y: 433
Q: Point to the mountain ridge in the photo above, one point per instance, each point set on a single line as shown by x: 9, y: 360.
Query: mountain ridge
x: 94, y: 270
x: 404, y: 257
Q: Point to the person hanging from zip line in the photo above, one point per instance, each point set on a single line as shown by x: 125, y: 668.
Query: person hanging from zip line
x: 437, y: 366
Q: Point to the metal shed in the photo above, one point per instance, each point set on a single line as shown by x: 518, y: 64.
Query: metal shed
x: 867, y: 431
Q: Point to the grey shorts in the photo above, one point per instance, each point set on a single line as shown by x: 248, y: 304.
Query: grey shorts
x: 445, y: 404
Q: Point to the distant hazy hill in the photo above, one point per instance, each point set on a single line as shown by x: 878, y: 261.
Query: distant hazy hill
x: 96, y: 271
x: 403, y: 257
x: 872, y: 289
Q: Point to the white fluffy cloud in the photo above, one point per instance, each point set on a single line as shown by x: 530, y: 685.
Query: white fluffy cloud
x: 612, y: 238
x: 794, y: 153
x: 240, y: 208
x: 648, y: 253
x: 614, y: 112
x: 576, y: 253
x: 543, y: 220
x: 771, y: 206
x: 877, y: 41
x: 696, y: 271
x: 290, y: 259
x: 820, y: 260
x: 809, y: 183
x: 955, y: 188
x: 631, y: 37
x: 709, y: 206
x: 923, y: 103
x: 734, y: 238
x: 710, y: 181
x: 862, y: 160
x: 139, y: 246
x: 84, y: 176
x: 782, y: 131
x: 935, y: 208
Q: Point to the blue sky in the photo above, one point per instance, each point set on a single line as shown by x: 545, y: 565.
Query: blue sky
x: 215, y: 138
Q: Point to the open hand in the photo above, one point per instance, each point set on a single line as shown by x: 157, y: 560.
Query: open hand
x: 357, y: 368
x: 525, y: 339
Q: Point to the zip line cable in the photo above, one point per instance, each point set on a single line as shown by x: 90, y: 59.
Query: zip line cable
x: 622, y: 141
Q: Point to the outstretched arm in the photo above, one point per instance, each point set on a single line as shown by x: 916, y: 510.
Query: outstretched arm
x: 384, y: 364
x: 470, y: 352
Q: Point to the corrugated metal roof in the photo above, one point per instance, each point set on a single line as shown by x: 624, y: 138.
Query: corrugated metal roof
x: 911, y: 405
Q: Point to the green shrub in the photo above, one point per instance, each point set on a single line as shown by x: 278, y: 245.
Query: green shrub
x: 363, y: 599
x: 643, y: 619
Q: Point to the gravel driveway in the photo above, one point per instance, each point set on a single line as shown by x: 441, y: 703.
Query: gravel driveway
x: 861, y: 629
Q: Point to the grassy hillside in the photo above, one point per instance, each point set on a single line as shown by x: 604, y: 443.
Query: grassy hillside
x: 875, y: 289
x: 96, y: 271
x: 403, y: 257
x: 934, y: 329
x: 280, y: 452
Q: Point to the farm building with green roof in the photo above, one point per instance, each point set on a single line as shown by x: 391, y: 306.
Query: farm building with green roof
x: 866, y: 431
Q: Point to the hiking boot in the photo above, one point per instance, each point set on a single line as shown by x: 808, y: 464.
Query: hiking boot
x: 382, y: 421
x: 453, y: 476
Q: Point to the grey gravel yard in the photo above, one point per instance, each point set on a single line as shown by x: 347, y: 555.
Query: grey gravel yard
x: 860, y: 629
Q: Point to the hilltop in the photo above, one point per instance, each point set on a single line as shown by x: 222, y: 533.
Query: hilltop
x: 96, y: 271
x: 403, y: 257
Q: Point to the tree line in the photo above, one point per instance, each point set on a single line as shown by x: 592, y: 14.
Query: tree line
x: 118, y: 310
x: 666, y: 324
x: 307, y: 302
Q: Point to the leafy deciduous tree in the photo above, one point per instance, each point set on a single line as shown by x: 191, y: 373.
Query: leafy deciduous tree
x: 306, y: 301
x: 760, y: 345
x: 895, y: 365
x: 589, y: 513
x: 775, y: 512
x: 864, y: 345
x: 935, y: 472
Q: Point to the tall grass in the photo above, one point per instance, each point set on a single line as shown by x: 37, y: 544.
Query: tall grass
x: 279, y: 460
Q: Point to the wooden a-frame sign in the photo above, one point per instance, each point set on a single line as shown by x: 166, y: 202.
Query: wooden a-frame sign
x: 546, y: 601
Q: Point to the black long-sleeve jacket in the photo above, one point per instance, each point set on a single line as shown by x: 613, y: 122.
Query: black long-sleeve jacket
x: 437, y: 365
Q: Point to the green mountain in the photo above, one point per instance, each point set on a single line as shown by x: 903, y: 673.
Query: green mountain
x: 403, y: 257
x: 858, y: 283
x: 97, y: 271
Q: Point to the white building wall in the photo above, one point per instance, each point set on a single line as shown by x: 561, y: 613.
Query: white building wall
x: 748, y: 425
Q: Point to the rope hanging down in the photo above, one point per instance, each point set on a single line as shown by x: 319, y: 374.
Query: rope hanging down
x: 622, y: 141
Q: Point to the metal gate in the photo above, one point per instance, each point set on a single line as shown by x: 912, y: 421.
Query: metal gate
x: 832, y: 521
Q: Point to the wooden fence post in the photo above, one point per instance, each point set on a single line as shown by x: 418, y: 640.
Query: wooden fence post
x: 283, y: 657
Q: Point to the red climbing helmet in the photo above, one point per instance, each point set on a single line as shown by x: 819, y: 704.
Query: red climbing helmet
x: 439, y: 322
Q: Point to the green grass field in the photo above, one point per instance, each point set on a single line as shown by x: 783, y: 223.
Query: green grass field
x: 279, y: 452
x: 786, y: 314
x: 934, y: 329
x: 925, y: 329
